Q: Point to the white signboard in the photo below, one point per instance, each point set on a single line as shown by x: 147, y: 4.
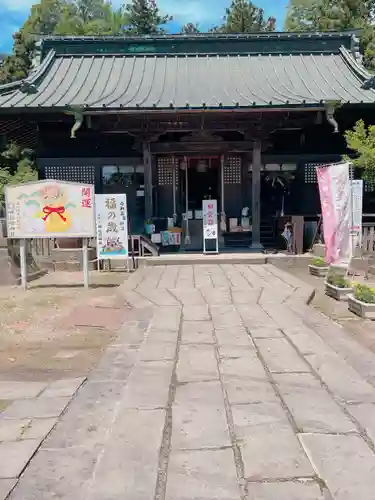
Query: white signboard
x: 357, y: 211
x: 210, y: 226
x: 111, y: 226
x: 50, y: 209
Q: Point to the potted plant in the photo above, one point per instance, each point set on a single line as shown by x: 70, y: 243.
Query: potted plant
x: 338, y: 286
x: 362, y: 302
x: 318, y: 267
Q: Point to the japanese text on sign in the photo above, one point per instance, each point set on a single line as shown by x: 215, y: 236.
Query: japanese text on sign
x: 210, y: 228
x: 50, y: 209
x: 111, y: 226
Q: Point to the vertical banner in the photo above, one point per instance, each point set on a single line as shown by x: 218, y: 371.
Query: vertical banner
x: 357, y: 208
x: 335, y: 199
x: 111, y: 226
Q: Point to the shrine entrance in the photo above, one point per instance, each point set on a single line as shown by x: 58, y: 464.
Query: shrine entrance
x: 200, y: 180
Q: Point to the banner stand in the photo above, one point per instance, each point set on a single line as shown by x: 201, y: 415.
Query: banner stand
x: 210, y: 226
x: 85, y: 262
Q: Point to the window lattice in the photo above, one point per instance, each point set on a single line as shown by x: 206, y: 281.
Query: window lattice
x: 165, y: 171
x: 310, y: 172
x: 71, y: 173
x: 233, y: 170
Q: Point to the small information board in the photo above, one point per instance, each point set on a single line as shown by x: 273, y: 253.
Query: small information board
x: 210, y: 227
x: 111, y: 226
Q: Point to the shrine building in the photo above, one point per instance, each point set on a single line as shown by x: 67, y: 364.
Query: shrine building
x: 172, y: 120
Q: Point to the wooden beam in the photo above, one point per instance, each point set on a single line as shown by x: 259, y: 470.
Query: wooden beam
x: 256, y: 245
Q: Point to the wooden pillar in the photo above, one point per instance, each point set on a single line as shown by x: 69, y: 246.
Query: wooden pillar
x: 256, y: 245
x: 147, y: 161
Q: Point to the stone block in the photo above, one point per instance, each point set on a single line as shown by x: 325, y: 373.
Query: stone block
x: 344, y: 382
x: 247, y: 366
x: 365, y: 416
x: 196, y: 313
x: 15, y: 455
x: 90, y: 416
x: 67, y: 473
x: 157, y: 351
x: 167, y: 318
x: 235, y: 336
x: 269, y: 447
x: 248, y: 390
x: 254, y: 317
x: 20, y: 390
x: 312, y: 408
x: 306, y: 490
x: 199, y: 419
x: 345, y: 463
x: 202, y: 475
x: 129, y: 463
x: 265, y: 333
x: 36, y: 408
x: 63, y: 388
x: 197, y: 332
x: 148, y: 385
x: 197, y: 363
x: 15, y: 430
x: 6, y: 486
x: 280, y: 356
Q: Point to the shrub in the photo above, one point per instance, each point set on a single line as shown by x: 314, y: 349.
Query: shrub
x: 338, y: 280
x: 319, y: 262
x: 364, y: 293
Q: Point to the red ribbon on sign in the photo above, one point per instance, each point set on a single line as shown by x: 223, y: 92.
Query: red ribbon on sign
x: 54, y: 210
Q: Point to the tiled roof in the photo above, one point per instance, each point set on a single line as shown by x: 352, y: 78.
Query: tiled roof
x: 180, y: 82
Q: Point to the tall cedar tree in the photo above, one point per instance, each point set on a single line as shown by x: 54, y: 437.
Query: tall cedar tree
x: 144, y: 18
x: 325, y: 15
x: 244, y: 17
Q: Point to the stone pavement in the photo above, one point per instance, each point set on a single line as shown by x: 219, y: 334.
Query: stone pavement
x: 220, y: 385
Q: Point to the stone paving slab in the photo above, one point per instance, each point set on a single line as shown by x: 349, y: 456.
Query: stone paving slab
x: 62, y: 388
x: 307, y: 490
x: 36, y: 408
x: 345, y: 463
x: 202, y: 475
x: 6, y: 486
x: 15, y: 430
x: 219, y: 382
x: 20, y: 390
x: 311, y: 406
x: 15, y: 455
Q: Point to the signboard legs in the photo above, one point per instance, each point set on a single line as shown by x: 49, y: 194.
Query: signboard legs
x: 85, y: 262
x: 23, y: 263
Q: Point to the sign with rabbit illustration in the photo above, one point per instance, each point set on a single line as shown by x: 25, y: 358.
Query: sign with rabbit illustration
x: 50, y: 209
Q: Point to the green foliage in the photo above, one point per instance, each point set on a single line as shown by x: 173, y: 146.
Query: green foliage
x: 17, y: 166
x: 144, y: 18
x: 244, y: 17
x: 17, y: 66
x: 364, y: 293
x: 338, y: 280
x: 319, y: 262
x: 190, y: 29
x: 337, y: 15
x: 361, y: 139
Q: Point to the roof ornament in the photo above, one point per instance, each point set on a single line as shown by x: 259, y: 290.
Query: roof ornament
x: 330, y: 107
x: 28, y: 88
x: 78, y: 121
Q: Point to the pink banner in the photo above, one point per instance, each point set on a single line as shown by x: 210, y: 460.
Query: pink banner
x: 335, y: 199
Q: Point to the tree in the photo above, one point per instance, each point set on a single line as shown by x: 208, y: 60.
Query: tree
x: 337, y: 15
x: 189, y: 29
x: 17, y: 66
x: 361, y: 139
x: 244, y: 17
x: 17, y: 165
x: 144, y: 18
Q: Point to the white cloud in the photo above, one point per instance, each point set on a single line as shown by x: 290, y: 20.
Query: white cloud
x: 196, y: 11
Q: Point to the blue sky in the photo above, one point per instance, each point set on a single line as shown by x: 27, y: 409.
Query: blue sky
x: 206, y: 13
